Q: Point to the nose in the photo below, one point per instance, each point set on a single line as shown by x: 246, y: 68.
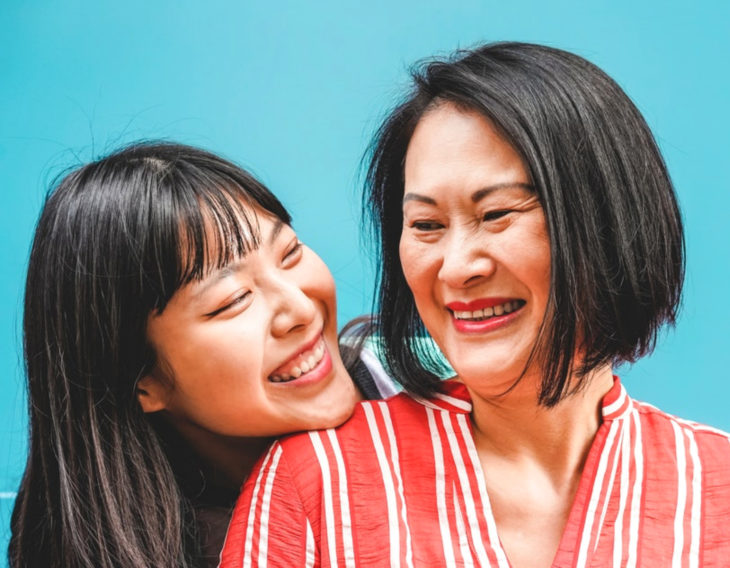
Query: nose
x: 466, y: 260
x: 293, y: 309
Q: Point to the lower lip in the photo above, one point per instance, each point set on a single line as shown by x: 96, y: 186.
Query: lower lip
x: 487, y: 325
x: 319, y: 372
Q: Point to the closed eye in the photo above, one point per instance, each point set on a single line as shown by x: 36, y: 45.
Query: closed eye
x: 239, y: 299
x: 292, y: 254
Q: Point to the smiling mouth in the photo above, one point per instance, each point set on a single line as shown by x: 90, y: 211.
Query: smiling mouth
x: 301, y: 364
x: 490, y: 312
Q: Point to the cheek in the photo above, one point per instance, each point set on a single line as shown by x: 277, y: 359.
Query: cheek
x: 419, y: 267
x: 538, y: 267
x: 318, y: 280
x: 408, y: 261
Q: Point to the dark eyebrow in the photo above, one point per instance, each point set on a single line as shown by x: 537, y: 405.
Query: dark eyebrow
x: 417, y: 197
x: 480, y: 194
x: 477, y: 196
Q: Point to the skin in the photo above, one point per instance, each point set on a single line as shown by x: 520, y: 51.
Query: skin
x: 474, y: 229
x: 219, y: 341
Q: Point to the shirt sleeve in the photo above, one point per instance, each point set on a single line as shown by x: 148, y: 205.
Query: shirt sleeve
x: 270, y: 526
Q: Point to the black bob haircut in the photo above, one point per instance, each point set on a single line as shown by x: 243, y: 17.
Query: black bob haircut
x: 616, y: 238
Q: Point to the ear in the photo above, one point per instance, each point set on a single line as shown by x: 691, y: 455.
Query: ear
x: 152, y: 393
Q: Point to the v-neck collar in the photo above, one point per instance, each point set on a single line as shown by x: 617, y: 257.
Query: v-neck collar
x: 584, y: 523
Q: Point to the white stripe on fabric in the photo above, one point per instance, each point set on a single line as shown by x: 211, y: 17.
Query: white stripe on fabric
x: 383, y: 381
x: 266, y: 508
x: 636, y: 494
x: 309, y: 553
x: 346, y: 520
x: 624, y: 490
x: 616, y: 404
x: 681, y: 458
x: 697, y: 427
x: 482, y: 485
x: 393, y: 527
x: 425, y: 402
x: 466, y: 556
x: 465, y: 489
x: 329, y: 510
x: 590, y: 517
x: 441, y: 490
x: 453, y: 401
x: 611, y: 483
x: 247, y: 549
x: 395, y: 462
x: 695, y: 519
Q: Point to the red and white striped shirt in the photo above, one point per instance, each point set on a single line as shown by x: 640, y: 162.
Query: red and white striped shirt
x: 400, y: 484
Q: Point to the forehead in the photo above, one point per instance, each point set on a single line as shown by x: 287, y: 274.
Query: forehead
x: 451, y: 146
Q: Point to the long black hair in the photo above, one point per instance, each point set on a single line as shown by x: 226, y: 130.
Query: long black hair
x: 616, y: 239
x: 115, y: 240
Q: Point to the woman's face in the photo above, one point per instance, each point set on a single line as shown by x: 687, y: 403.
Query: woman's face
x: 474, y: 246
x: 251, y: 350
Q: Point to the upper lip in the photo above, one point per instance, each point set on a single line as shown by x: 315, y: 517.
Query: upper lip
x: 307, y: 346
x: 478, y: 304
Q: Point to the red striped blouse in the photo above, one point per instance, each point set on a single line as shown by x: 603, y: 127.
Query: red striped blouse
x: 400, y: 484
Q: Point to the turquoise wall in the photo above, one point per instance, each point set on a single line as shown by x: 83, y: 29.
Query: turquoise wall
x: 293, y: 90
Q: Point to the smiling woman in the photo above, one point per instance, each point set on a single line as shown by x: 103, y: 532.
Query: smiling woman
x: 173, y: 325
x: 471, y: 215
x: 527, y: 223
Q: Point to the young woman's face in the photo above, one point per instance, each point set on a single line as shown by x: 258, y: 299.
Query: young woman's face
x: 474, y: 246
x: 251, y: 350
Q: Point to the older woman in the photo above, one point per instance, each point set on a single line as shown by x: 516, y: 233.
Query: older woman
x: 528, y: 223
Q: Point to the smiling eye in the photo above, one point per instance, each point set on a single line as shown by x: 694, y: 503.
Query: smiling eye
x: 426, y: 226
x: 239, y: 299
x: 494, y: 215
x: 293, y: 253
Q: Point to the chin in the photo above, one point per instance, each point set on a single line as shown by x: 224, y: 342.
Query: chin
x: 497, y: 378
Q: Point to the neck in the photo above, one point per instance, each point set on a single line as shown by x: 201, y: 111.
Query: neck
x: 233, y: 459
x: 557, y: 439
x: 228, y: 460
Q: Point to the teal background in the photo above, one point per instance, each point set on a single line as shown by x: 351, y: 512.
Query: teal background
x: 293, y: 90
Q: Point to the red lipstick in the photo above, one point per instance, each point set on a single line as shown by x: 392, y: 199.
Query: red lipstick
x: 487, y: 324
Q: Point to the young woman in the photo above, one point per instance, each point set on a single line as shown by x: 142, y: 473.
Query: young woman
x: 173, y: 324
x: 528, y: 223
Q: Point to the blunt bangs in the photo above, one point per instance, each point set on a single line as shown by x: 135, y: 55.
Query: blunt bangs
x: 193, y: 213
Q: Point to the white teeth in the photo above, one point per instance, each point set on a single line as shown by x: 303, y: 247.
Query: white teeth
x: 505, y: 308
x: 306, y: 363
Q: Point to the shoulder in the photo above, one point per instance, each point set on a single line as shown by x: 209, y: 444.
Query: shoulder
x: 652, y: 414
x: 302, y: 449
x: 709, y: 446
x: 376, y: 428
